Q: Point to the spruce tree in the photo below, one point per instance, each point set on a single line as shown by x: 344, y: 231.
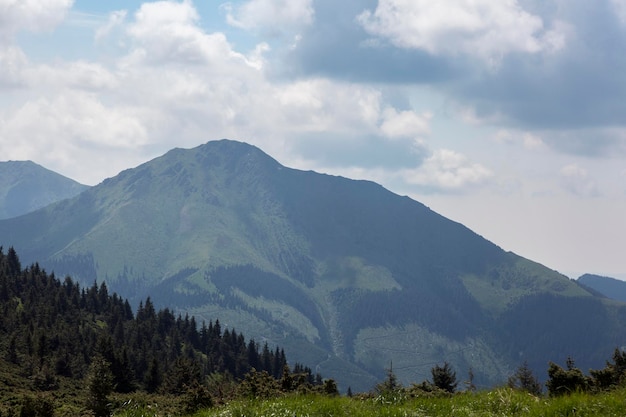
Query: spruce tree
x: 524, y: 379
x: 99, y: 387
x: 444, y: 377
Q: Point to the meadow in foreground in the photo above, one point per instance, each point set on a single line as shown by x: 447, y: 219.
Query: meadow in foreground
x: 498, y: 402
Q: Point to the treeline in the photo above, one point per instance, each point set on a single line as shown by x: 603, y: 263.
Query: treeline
x: 55, y: 329
x: 561, y: 381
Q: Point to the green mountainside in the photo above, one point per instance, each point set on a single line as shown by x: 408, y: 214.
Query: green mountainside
x: 609, y: 287
x: 26, y: 186
x: 345, y: 275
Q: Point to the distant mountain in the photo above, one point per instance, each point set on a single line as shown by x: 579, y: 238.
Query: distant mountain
x: 609, y: 287
x: 26, y: 186
x: 343, y: 274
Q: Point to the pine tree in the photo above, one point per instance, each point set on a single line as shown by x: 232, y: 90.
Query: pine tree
x: 565, y: 381
x: 444, y: 377
x: 525, y: 380
x: 154, y: 377
x: 99, y: 387
x: 390, y: 384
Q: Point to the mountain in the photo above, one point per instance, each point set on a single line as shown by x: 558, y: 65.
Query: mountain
x: 347, y: 276
x: 26, y: 186
x: 609, y: 287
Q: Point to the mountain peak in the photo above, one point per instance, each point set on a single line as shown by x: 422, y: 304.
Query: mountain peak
x: 26, y: 186
x: 334, y: 269
x: 235, y: 152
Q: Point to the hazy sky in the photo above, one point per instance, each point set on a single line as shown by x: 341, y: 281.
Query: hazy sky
x: 508, y: 116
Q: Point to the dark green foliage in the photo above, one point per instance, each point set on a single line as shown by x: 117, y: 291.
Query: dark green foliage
x: 524, y: 379
x: 444, y: 377
x: 154, y: 377
x: 40, y: 406
x: 196, y: 397
x: 184, y: 374
x: 53, y: 330
x: 613, y: 375
x: 259, y: 385
x: 566, y: 381
x: 330, y: 387
x: 390, y: 385
x: 99, y: 386
x: 45, y: 379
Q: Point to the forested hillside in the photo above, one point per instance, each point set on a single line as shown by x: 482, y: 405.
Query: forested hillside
x: 54, y: 331
x: 345, y: 275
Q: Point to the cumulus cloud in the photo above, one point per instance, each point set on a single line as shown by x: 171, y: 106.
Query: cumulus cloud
x: 405, y: 123
x: 168, y: 32
x: 448, y: 171
x: 485, y: 28
x: 68, y: 126
x: 274, y: 16
x: 558, y: 65
x: 577, y: 180
x: 32, y: 15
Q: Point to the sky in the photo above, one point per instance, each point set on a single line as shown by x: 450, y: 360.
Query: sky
x: 506, y: 116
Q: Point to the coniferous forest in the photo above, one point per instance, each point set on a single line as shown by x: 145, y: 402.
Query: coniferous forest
x: 55, y: 331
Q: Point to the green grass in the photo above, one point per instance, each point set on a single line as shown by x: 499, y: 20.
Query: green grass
x: 499, y: 402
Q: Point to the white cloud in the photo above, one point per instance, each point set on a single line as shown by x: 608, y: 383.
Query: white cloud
x: 318, y: 105
x: 405, y: 123
x: 273, y: 15
x: 12, y: 64
x: 486, y: 28
x: 68, y: 127
x: 576, y: 180
x: 115, y: 20
x: 168, y: 33
x: 32, y: 15
x: 532, y: 142
x: 447, y: 170
x: 81, y: 75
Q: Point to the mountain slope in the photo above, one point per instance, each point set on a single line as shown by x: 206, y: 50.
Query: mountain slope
x: 26, y: 186
x: 609, y: 287
x: 342, y: 273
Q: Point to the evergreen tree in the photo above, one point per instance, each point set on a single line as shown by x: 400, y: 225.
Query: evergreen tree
x: 154, y: 377
x: 99, y: 387
x: 565, y: 381
x: 613, y: 375
x: 524, y: 379
x: 330, y: 387
x: 390, y: 384
x: 444, y: 377
x: 185, y: 373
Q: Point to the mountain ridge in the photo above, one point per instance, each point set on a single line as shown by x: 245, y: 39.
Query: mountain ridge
x: 609, y: 287
x: 345, y: 273
x: 26, y: 186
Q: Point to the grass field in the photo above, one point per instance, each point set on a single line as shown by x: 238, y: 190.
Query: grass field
x: 498, y: 402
